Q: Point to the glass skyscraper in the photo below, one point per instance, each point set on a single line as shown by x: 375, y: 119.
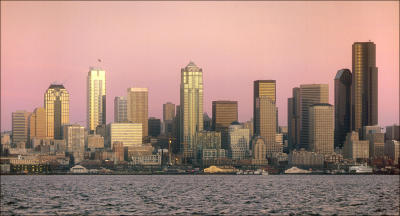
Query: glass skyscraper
x: 96, y: 98
x: 56, y: 103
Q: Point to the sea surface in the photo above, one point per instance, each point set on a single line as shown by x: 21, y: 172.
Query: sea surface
x: 200, y: 194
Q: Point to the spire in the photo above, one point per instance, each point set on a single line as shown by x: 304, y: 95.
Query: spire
x: 191, y: 64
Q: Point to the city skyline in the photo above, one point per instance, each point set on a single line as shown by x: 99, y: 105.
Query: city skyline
x: 217, y: 85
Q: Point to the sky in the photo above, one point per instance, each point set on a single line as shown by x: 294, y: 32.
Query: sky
x: 145, y: 44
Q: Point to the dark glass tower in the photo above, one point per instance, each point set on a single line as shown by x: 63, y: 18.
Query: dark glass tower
x: 342, y: 106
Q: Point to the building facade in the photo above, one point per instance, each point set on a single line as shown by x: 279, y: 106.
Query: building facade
x: 265, y: 126
x: 120, y: 110
x: 239, y: 142
x: 138, y: 108
x: 56, y: 103
x: 74, y: 136
x: 20, y: 127
x: 130, y: 134
x: 310, y: 94
x: 223, y: 114
x: 95, y: 141
x: 354, y: 148
x: 168, y: 111
x: 392, y: 132
x: 191, y: 107
x: 342, y: 105
x: 321, y: 117
x: 259, y: 151
x: 154, y: 127
x: 96, y: 98
x: 392, y: 150
x: 206, y: 140
x: 376, y: 145
x: 37, y: 124
x: 364, y: 90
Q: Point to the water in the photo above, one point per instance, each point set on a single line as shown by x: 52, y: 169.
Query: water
x: 205, y: 194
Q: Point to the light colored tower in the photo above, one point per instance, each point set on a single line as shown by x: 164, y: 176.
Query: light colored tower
x: 56, y: 103
x: 321, y: 128
x: 96, y: 98
x: 168, y: 111
x: 74, y: 136
x: 310, y: 94
x: 138, y: 108
x: 37, y: 124
x: 364, y: 88
x: 20, y: 127
x: 266, y: 123
x: 120, y: 110
x: 191, y: 106
x: 342, y: 106
x: 263, y: 88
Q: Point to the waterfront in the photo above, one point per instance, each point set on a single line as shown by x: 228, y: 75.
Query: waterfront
x: 205, y: 194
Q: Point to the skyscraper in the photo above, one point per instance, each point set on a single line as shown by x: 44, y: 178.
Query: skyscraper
x: 37, y: 124
x: 20, y: 127
x: 191, y: 110
x: 223, y: 114
x: 138, y: 108
x: 96, y: 98
x: 342, y: 106
x: 74, y: 136
x: 265, y: 118
x: 364, y: 88
x: 310, y: 94
x: 154, y: 126
x: 168, y: 111
x: 120, y: 109
x: 263, y: 88
x: 321, y: 118
x: 294, y: 115
x: 56, y: 103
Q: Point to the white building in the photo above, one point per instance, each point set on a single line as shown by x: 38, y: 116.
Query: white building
x: 96, y: 98
x: 130, y: 134
x: 321, y: 128
x: 238, y: 139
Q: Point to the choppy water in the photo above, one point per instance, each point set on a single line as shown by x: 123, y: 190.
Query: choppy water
x: 189, y: 194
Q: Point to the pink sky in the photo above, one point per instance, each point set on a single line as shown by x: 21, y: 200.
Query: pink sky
x: 145, y: 44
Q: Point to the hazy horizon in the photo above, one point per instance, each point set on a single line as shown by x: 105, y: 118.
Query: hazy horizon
x: 145, y: 44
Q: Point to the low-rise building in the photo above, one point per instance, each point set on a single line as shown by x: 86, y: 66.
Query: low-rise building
x: 354, y: 148
x: 305, y: 159
x: 147, y: 160
x: 392, y: 150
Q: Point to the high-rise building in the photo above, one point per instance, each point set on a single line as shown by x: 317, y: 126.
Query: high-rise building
x: 154, y: 127
x: 342, y: 106
x: 321, y: 118
x: 265, y: 126
x: 20, y: 127
x: 364, y: 88
x: 205, y: 140
x: 56, y: 103
x: 376, y: 144
x: 294, y: 115
x: 96, y: 98
x: 138, y: 108
x: 239, y: 141
x: 223, y: 114
x: 120, y: 110
x: 354, y: 148
x: 130, y: 134
x: 74, y: 136
x: 168, y: 111
x: 310, y: 94
x: 392, y: 150
x: 392, y: 132
x: 263, y: 88
x: 37, y: 124
x: 191, y: 110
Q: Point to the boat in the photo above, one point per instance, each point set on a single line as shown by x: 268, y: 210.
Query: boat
x: 362, y: 169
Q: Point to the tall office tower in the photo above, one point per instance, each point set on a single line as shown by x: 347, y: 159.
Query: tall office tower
x: 392, y: 132
x: 20, y: 127
x: 56, y: 103
x: 321, y: 118
x: 120, y: 110
x: 96, y: 98
x: 310, y: 94
x: 168, y: 118
x: 130, y: 134
x: 191, y: 110
x: 176, y: 130
x: 265, y: 118
x: 168, y: 111
x: 74, y: 136
x: 364, y: 88
x: 239, y: 141
x: 138, y: 108
x: 342, y: 106
x: 223, y: 114
x: 154, y: 126
x: 263, y: 88
x: 294, y: 115
x: 37, y: 124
